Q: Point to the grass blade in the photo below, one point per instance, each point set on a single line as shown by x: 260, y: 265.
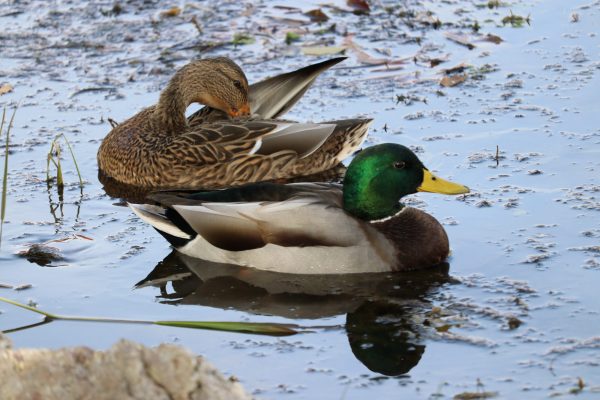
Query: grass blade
x: 35, y: 310
x: 54, y: 156
x: 59, y: 176
x: 4, y: 177
x: 50, y: 159
x: 74, y: 159
x: 5, y: 173
x: 260, y: 328
x: 24, y: 327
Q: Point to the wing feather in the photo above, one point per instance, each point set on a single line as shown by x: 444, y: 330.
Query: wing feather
x: 298, y: 222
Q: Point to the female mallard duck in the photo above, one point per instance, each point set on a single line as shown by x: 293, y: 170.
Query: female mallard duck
x: 313, y: 228
x: 160, y: 148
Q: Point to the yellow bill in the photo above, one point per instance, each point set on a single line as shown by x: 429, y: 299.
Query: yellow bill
x: 433, y: 184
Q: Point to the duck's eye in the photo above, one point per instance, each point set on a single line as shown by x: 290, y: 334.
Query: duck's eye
x: 238, y: 84
x: 399, y: 164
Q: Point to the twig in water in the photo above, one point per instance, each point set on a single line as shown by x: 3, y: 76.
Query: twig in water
x: 196, y: 24
x: 497, y: 155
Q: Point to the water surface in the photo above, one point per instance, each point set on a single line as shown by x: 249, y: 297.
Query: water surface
x: 517, y: 311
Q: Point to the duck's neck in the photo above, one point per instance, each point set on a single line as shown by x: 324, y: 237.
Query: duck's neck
x: 369, y: 209
x: 171, y: 107
x: 361, y: 199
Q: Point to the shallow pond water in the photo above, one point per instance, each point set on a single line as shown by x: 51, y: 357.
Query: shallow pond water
x: 516, y: 313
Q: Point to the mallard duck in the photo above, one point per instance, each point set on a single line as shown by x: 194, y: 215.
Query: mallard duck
x: 160, y: 148
x: 313, y: 228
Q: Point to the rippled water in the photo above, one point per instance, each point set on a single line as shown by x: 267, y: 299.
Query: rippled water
x: 516, y: 313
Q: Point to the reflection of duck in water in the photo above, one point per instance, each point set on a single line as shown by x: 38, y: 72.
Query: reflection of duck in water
x: 382, y: 324
x: 160, y: 148
x: 312, y: 228
x: 385, y: 336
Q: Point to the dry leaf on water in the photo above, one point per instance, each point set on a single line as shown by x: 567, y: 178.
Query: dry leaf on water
x: 492, y: 38
x: 364, y: 58
x: 173, y: 12
x: 287, y: 8
x: 6, y: 88
x: 387, y: 68
x: 460, y: 39
x: 322, y: 50
x: 295, y: 23
x: 359, y: 5
x: 68, y: 238
x: 457, y: 69
x: 453, y: 80
x: 317, y: 15
x: 475, y: 395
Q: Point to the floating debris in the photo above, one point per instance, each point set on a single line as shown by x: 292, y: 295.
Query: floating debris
x: 514, y: 323
x: 317, y: 15
x: 322, y: 50
x: 516, y: 21
x: 5, y: 88
x: 408, y: 99
x: 359, y: 6
x: 364, y: 58
x: 461, y: 39
x: 574, y: 17
x: 457, y: 69
x: 172, y: 12
x: 41, y: 254
x: 291, y: 37
x: 453, y: 80
x: 109, y: 89
x: 588, y: 249
x: 242, y: 39
x: 492, y: 38
x: 475, y: 395
x: 537, y: 258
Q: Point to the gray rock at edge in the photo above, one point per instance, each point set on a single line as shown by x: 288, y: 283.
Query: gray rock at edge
x: 126, y: 371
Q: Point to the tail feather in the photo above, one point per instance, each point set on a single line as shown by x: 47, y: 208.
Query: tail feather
x: 274, y: 96
x: 161, y: 219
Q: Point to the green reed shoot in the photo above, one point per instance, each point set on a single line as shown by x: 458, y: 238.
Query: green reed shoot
x: 5, y: 173
x: 54, y: 156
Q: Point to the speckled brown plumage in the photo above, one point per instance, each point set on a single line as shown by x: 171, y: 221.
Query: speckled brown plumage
x: 213, y: 155
x: 159, y: 148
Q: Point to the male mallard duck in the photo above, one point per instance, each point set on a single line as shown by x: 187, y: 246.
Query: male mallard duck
x: 313, y: 228
x: 160, y: 148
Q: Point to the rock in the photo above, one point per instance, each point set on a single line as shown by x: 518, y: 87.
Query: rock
x: 5, y: 343
x: 127, y: 370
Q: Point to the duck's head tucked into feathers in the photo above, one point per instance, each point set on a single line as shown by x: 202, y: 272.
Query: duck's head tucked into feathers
x: 216, y: 82
x: 381, y: 175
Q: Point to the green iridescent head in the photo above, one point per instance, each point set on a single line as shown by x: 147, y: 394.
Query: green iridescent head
x: 378, y: 177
